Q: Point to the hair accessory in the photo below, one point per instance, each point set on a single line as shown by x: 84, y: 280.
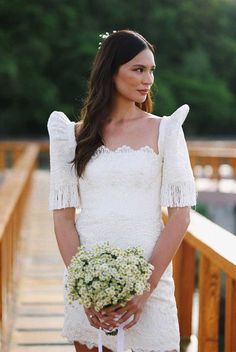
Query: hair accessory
x: 104, y: 36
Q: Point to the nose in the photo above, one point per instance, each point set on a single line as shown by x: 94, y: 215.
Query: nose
x: 148, y: 79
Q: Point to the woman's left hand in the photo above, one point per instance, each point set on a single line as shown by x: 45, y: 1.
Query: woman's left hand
x: 133, y: 307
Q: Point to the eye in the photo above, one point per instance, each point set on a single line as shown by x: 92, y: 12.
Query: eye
x: 141, y: 69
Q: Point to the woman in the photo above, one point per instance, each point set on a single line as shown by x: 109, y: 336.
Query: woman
x: 127, y: 163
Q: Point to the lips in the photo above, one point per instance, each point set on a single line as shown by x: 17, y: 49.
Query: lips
x: 143, y: 92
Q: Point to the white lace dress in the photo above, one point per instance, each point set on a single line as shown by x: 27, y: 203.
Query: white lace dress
x: 120, y: 199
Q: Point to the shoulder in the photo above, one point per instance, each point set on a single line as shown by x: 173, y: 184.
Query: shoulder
x: 177, y: 118
x: 153, y: 120
x: 170, y: 128
x: 57, y: 118
x: 60, y: 127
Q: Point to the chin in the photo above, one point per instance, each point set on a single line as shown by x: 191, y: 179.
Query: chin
x: 141, y: 100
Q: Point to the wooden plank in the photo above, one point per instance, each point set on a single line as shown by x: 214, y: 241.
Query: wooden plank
x: 40, y: 310
x: 230, y: 315
x: 214, y: 242
x: 41, y: 297
x: 184, y: 277
x: 44, y: 322
x: 40, y: 307
x: 209, y: 291
x: 38, y: 338
x: 45, y: 348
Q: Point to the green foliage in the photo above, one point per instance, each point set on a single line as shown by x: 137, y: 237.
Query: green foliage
x: 202, y: 209
x: 47, y: 49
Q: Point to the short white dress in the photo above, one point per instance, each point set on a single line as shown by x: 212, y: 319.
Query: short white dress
x: 120, y: 197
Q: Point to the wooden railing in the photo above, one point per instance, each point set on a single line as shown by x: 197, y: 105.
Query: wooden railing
x: 13, y: 195
x: 214, y: 154
x: 208, y: 250
x: 216, y: 249
x: 10, y: 152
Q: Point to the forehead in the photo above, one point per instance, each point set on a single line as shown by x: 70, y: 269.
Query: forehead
x: 145, y: 57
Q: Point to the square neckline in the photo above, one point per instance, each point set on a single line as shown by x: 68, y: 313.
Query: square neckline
x: 126, y: 147
x: 145, y: 147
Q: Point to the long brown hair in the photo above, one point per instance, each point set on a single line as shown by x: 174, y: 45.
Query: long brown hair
x: 117, y: 49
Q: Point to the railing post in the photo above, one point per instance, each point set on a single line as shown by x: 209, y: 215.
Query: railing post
x: 3, y: 294
x: 184, y: 287
x: 215, y: 163
x: 209, y: 291
x: 16, y: 153
x: 230, y: 315
x: 2, y: 159
x: 232, y: 162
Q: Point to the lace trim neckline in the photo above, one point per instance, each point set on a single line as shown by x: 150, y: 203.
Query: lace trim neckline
x: 126, y: 148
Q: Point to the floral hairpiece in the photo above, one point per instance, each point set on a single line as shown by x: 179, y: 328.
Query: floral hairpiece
x: 104, y: 36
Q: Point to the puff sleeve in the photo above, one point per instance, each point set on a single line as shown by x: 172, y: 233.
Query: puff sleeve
x: 178, y: 187
x: 64, y: 191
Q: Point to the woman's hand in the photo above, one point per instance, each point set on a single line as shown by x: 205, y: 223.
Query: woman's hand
x: 97, y: 320
x: 133, y: 307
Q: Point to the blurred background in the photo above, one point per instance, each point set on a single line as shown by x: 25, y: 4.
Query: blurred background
x: 47, y: 49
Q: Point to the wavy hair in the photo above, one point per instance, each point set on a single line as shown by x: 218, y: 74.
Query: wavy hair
x: 117, y: 49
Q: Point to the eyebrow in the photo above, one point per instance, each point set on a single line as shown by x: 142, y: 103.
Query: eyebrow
x: 139, y: 65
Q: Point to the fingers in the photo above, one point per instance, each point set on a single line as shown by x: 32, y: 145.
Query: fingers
x: 94, y: 312
x: 93, y: 318
x: 110, y: 309
x: 133, y: 321
x: 125, y: 317
x: 94, y: 321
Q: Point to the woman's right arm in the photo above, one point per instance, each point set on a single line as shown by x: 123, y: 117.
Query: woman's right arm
x: 64, y: 195
x: 66, y: 234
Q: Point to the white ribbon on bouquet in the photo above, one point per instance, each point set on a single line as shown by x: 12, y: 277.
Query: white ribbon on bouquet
x: 120, y: 339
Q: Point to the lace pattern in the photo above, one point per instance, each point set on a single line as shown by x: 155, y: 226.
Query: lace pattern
x: 120, y: 196
x: 64, y: 196
x: 87, y: 342
x: 91, y: 345
x: 159, y: 313
x: 178, y: 195
x: 102, y: 149
x: 178, y: 185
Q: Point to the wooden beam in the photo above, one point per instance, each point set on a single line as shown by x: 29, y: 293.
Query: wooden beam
x: 209, y: 291
x: 230, y: 315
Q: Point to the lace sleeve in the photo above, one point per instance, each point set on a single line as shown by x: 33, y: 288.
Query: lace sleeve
x: 64, y: 190
x: 178, y: 187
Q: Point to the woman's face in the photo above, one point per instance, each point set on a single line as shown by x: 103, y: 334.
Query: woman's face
x: 135, y: 78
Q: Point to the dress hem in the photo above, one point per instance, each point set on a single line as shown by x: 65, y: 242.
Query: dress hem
x: 91, y: 345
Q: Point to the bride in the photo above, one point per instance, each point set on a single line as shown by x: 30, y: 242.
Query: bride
x: 119, y: 164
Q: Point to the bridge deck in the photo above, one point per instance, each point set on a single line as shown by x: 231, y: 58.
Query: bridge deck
x: 39, y: 306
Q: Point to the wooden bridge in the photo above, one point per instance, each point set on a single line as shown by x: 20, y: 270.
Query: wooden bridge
x: 31, y: 296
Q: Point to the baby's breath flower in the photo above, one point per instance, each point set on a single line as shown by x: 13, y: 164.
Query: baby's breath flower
x: 104, y: 36
x: 107, y: 275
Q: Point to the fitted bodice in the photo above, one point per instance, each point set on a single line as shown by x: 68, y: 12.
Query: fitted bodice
x: 124, y: 182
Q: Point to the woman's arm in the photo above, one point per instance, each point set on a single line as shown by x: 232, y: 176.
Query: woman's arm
x: 66, y: 233
x: 168, y: 242
x: 163, y: 251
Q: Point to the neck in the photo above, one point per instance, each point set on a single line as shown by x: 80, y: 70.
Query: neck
x: 124, y: 110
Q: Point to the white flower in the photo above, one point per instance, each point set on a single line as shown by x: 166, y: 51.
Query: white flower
x: 107, y: 275
x: 104, y: 36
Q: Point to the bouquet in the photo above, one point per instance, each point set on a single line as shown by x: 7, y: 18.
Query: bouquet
x: 107, y: 275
